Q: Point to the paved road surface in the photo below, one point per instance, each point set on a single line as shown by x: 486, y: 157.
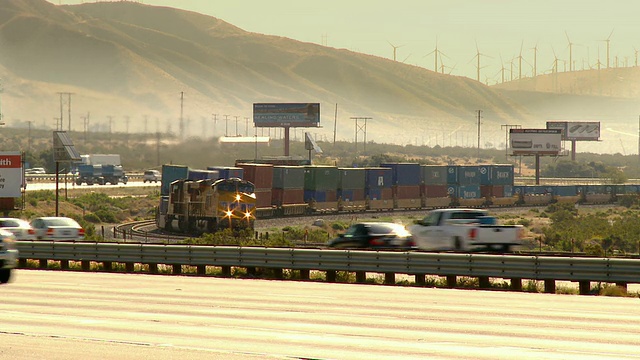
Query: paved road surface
x: 73, y: 315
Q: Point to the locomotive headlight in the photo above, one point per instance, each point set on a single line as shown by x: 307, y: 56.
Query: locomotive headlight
x: 237, y: 197
x: 228, y: 213
x: 247, y: 215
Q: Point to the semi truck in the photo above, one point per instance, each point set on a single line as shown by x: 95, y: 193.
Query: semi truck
x: 462, y: 229
x: 100, y: 174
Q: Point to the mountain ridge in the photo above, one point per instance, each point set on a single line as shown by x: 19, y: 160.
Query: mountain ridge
x: 126, y: 59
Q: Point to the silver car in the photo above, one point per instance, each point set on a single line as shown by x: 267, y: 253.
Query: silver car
x: 21, y: 229
x: 57, y: 228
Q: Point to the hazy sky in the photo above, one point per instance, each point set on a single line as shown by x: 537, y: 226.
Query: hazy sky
x: 498, y: 27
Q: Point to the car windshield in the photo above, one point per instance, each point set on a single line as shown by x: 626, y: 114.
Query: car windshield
x: 61, y: 222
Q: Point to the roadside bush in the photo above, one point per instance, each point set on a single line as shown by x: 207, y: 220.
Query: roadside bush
x: 92, y: 218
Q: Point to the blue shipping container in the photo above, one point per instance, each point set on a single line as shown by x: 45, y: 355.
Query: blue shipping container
x: 502, y: 175
x: 171, y: 173
x: 565, y: 190
x: 507, y: 191
x: 320, y: 195
x: 228, y: 172
x: 452, y: 174
x: 465, y: 191
x: 404, y: 174
x: 485, y: 174
x: 203, y: 174
x: 468, y: 175
x: 378, y: 178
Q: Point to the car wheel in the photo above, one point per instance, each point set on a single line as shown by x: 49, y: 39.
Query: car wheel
x: 5, y: 276
x: 457, y: 243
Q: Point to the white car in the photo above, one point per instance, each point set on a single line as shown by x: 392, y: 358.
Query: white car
x: 151, y: 175
x: 35, y: 171
x: 57, y: 228
x: 21, y: 229
x: 8, y: 255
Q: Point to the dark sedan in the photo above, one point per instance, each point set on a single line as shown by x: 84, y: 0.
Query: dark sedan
x: 375, y: 235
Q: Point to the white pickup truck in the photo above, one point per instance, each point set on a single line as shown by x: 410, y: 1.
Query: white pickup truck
x: 464, y: 230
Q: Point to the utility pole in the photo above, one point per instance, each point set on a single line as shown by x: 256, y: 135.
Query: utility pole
x: 146, y: 121
x: 29, y: 142
x: 126, y: 122
x: 479, y: 121
x: 226, y: 125
x: 335, y: 125
x: 215, y: 124
x: 181, y: 115
x: 110, y: 126
x: 246, y: 126
x: 506, y: 128
x: 236, y: 134
x: 361, y: 127
x: 68, y: 108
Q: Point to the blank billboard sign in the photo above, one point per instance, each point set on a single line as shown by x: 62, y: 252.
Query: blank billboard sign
x: 535, y: 141
x: 286, y: 115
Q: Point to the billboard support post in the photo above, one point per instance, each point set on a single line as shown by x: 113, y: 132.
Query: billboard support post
x: 537, y: 169
x: 286, y: 141
x: 573, y: 150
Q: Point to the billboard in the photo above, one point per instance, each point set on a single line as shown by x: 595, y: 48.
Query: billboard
x: 10, y: 174
x: 577, y: 130
x: 286, y: 115
x: 535, y: 141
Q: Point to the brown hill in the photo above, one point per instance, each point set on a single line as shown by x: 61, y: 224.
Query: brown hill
x: 130, y: 60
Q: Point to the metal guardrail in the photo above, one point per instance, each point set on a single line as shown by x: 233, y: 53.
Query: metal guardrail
x: 580, y: 269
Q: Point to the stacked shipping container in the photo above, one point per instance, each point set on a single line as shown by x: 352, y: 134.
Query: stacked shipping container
x: 320, y: 183
x: 261, y: 175
x: 288, y: 185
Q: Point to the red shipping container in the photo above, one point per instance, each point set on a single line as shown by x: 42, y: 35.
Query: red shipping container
x: 287, y: 196
x: 492, y: 190
x: 406, y: 192
x: 261, y: 175
x: 435, y: 191
x: 263, y: 198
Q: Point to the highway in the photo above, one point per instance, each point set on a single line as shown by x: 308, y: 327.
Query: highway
x: 33, y: 186
x: 67, y: 315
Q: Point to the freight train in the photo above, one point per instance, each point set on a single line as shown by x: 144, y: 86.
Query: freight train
x: 208, y: 205
x: 285, y: 190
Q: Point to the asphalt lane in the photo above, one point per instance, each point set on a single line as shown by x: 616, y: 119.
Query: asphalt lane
x: 70, y: 315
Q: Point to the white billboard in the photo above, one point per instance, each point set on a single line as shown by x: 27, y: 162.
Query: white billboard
x: 577, y: 130
x: 535, y: 141
x: 10, y: 174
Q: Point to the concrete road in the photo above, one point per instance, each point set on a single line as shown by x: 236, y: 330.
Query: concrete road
x: 73, y: 315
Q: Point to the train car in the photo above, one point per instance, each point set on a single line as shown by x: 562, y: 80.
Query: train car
x: 210, y: 205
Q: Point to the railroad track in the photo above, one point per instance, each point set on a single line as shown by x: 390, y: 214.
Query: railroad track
x: 146, y: 231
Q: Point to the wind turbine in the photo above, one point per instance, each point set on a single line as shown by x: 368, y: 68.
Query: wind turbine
x: 395, y: 48
x: 502, y: 69
x: 608, y: 40
x: 535, y: 60
x: 555, y: 60
x: 478, y: 67
x: 570, y: 52
x: 437, y: 53
x: 519, y: 57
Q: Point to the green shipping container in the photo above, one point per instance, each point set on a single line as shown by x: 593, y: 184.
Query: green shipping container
x: 320, y: 178
x: 288, y: 177
x: 351, y: 178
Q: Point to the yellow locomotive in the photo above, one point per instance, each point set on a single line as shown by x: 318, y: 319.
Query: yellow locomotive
x: 210, y: 205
